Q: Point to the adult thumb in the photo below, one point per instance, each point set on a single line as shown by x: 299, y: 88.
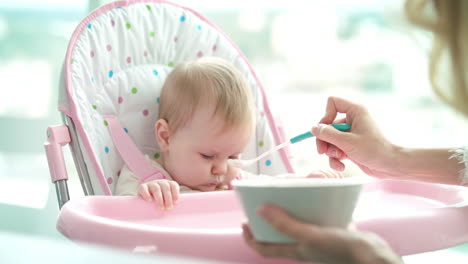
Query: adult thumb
x: 330, y: 134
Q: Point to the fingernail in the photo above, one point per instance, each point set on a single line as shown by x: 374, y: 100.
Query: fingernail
x: 316, y: 128
x: 334, y: 154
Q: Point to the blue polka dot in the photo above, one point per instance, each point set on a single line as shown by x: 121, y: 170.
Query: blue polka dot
x: 126, y: 130
x: 89, y: 26
x: 157, y: 100
x: 155, y: 72
x: 268, y: 162
x: 111, y: 73
x: 106, y: 149
x: 182, y: 18
x: 199, y: 27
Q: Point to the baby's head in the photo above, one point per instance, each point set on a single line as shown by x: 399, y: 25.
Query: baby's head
x: 205, y: 82
x: 206, y: 116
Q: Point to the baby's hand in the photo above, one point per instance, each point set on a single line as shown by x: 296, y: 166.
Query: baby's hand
x: 164, y: 192
x: 325, y: 174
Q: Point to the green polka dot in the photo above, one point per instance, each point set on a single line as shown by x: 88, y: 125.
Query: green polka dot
x: 151, y: 34
x: 94, y: 107
x: 148, y: 7
x: 260, y: 143
x: 128, y: 25
x: 157, y: 155
x: 105, y: 123
x: 134, y: 90
x: 170, y: 64
x: 72, y: 61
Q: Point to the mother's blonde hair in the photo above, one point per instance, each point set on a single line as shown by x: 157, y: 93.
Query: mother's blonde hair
x: 448, y: 21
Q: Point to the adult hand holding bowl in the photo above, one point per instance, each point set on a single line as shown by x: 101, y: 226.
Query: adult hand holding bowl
x: 324, y: 202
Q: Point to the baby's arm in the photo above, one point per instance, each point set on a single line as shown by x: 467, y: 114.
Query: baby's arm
x: 164, y: 192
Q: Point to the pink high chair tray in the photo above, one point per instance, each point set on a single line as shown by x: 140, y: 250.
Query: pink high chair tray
x: 413, y: 217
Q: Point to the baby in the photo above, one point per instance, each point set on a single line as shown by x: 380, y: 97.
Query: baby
x: 206, y: 117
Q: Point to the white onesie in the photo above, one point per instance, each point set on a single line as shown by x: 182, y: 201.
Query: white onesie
x: 461, y: 154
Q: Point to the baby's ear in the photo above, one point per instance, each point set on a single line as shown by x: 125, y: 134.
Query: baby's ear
x: 161, y: 128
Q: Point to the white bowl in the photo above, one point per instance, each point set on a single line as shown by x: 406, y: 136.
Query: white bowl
x: 325, y: 202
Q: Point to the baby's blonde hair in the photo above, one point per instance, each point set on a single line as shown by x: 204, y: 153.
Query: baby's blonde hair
x: 447, y: 20
x: 206, y: 82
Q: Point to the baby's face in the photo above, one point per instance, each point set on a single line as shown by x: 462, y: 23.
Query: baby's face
x: 198, y: 153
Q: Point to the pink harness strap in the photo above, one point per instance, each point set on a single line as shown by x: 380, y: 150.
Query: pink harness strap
x: 132, y: 156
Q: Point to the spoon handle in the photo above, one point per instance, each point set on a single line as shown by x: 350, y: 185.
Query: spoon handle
x: 308, y: 134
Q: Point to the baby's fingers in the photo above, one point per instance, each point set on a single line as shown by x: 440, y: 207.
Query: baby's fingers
x: 155, y: 190
x: 317, y: 174
x: 332, y: 174
x: 144, y: 192
x: 166, y: 194
x: 175, y: 189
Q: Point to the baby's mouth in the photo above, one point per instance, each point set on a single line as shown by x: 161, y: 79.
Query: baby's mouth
x: 215, y: 185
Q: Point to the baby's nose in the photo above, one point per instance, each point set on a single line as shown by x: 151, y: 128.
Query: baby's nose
x: 219, y: 168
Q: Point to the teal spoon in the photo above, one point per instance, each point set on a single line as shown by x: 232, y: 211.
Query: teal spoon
x: 244, y: 163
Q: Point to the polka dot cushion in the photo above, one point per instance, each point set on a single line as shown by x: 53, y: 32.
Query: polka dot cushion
x: 117, y: 61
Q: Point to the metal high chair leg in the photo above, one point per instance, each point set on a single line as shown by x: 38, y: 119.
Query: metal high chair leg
x: 57, y: 137
x: 61, y: 188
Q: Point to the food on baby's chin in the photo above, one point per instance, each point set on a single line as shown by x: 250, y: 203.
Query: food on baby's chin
x: 222, y: 188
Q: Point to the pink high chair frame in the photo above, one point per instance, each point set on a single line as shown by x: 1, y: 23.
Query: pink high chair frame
x: 413, y: 217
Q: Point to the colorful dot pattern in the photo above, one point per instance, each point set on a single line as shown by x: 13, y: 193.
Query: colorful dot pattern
x: 121, y: 64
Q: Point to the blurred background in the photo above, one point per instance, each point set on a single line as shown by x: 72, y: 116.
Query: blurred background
x: 362, y: 50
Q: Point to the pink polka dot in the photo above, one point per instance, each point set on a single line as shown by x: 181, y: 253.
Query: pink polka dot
x: 120, y: 100
x: 129, y: 59
x: 112, y: 22
x: 145, y: 53
x: 92, y: 54
x: 214, y: 47
x: 145, y: 112
x: 109, y: 180
x: 109, y: 47
x: 175, y: 39
x: 199, y: 54
x: 262, y: 113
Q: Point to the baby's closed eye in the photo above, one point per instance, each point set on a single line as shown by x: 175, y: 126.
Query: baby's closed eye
x: 206, y: 156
